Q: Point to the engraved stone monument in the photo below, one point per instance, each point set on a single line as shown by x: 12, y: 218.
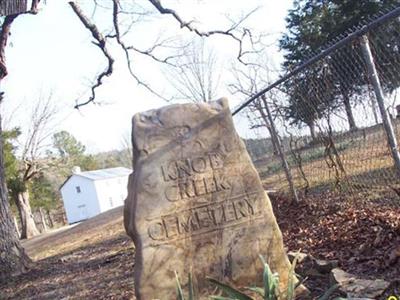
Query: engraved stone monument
x: 196, y: 203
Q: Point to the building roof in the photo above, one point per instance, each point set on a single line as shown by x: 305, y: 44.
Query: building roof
x: 105, y: 173
x: 101, y: 174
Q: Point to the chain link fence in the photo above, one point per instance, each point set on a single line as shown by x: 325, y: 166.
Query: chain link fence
x: 332, y: 124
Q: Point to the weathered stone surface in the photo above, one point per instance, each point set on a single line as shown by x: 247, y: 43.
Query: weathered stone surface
x: 325, y: 266
x: 196, y: 203
x: 356, y: 287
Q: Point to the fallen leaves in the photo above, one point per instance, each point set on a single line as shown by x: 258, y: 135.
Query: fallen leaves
x: 364, y: 236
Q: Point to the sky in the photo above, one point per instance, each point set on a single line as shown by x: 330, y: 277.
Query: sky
x: 51, y: 54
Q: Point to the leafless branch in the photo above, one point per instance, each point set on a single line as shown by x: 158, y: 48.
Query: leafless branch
x: 33, y: 142
x: 126, y: 49
x: 196, y: 75
x: 34, y: 7
x: 5, y: 33
x: 229, y: 32
x: 101, y: 43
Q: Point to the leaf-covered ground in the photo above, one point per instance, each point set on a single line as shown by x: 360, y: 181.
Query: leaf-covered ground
x: 95, y: 259
x: 92, y: 260
x: 364, y: 236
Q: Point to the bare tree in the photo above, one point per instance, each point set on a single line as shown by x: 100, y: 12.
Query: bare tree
x: 246, y: 82
x: 13, y: 258
x: 126, y: 154
x: 196, y: 74
x: 32, y: 161
x: 237, y: 31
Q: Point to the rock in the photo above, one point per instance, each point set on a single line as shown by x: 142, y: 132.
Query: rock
x: 394, y: 256
x: 196, y: 204
x: 301, y: 257
x: 325, y: 266
x: 310, y: 265
x: 356, y: 287
x: 340, y: 298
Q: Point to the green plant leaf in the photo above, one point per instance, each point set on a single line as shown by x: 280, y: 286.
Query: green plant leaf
x: 271, y: 282
x: 291, y: 277
x: 257, y: 290
x: 265, y: 279
x: 230, y: 291
x: 221, y: 298
x: 190, y: 285
x: 180, y: 295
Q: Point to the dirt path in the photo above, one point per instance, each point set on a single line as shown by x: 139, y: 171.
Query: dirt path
x: 91, y: 260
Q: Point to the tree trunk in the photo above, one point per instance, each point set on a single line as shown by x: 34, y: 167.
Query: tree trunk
x: 274, y: 146
x: 268, y: 125
x: 16, y: 226
x: 64, y: 218
x: 28, y: 226
x: 13, y: 259
x: 51, y: 222
x: 282, y: 155
x: 349, y: 111
x: 311, y: 126
x: 43, y: 220
x: 13, y: 7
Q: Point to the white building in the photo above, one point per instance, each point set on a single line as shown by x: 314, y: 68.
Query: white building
x: 87, y: 194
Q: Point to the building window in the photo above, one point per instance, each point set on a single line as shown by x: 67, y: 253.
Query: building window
x: 78, y: 189
x: 111, y: 202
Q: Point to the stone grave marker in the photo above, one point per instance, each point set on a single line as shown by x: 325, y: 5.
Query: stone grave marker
x: 196, y: 203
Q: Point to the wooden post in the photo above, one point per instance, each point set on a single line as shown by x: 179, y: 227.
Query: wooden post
x: 387, y: 124
x: 281, y: 152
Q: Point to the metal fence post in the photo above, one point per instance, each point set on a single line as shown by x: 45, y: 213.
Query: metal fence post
x: 387, y: 124
x: 281, y: 152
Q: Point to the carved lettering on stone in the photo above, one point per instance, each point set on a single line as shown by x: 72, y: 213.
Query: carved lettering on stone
x: 196, y: 203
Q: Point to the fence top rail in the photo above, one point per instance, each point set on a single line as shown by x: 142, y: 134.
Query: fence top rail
x: 325, y: 52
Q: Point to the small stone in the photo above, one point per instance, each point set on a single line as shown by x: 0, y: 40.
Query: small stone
x: 340, y: 298
x: 300, y: 256
x: 325, y: 266
x: 394, y: 255
x: 358, y: 288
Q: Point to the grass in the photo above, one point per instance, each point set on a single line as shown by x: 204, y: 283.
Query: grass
x: 81, y: 235
x: 366, y: 160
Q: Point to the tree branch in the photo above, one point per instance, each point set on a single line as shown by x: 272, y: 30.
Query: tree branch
x: 126, y: 49
x: 4, y: 34
x: 229, y: 32
x: 101, y: 43
x: 34, y: 7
